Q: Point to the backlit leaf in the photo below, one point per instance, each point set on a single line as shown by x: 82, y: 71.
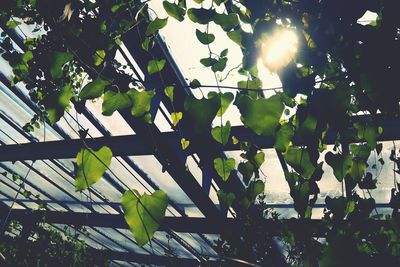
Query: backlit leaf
x: 90, y: 166
x: 224, y: 167
x: 155, y: 66
x: 340, y: 164
x: 143, y: 213
x: 261, y: 115
x: 176, y: 117
x: 221, y: 134
x: 94, y: 89
x: 98, y: 57
x: 156, y: 25
x: 299, y: 159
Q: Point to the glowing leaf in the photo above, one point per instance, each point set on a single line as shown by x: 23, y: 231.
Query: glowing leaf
x: 94, y: 89
x: 115, y: 101
x: 283, y: 137
x: 299, y: 159
x: 156, y: 25
x: 141, y: 101
x: 224, y: 167
x: 143, y: 213
x: 155, y: 66
x: 221, y: 134
x: 169, y: 91
x: 90, y: 166
x: 184, y: 143
x: 261, y: 115
x: 176, y: 117
x: 98, y: 57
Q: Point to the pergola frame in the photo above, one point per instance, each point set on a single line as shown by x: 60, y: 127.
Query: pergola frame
x: 167, y: 152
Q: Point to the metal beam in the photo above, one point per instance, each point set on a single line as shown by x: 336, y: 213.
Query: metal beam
x: 177, y: 224
x: 131, y: 145
x: 148, y: 259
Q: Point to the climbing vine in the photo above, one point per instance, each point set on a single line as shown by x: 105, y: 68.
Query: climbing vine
x: 342, y: 78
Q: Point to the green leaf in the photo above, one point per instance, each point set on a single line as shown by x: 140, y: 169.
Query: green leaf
x: 368, y: 133
x: 340, y: 164
x: 90, y: 166
x: 224, y: 52
x: 254, y: 189
x: 115, y: 101
x: 205, y: 38
x: 201, y: 15
x: 225, y: 199
x: 357, y: 170
x: 221, y: 134
x: 218, y: 2
x: 144, y: 213
x: 98, y: 57
x: 261, y: 115
x: 283, y: 137
x: 360, y: 152
x: 247, y: 170
x: 259, y: 159
x: 236, y: 36
x: 57, y: 102
x: 12, y: 24
x: 226, y: 100
x: 184, y: 143
x: 220, y: 65
x: 156, y: 25
x: 224, y: 167
x: 208, y: 62
x: 169, y: 91
x: 299, y: 159
x: 339, y: 206
x: 250, y: 84
x: 174, y: 10
x: 57, y: 61
x: 94, y: 89
x: 176, y: 117
x: 227, y: 22
x: 141, y: 101
x: 201, y: 111
x: 155, y: 66
x: 195, y: 84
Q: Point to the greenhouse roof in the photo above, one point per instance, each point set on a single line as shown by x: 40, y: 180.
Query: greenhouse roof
x: 148, y: 157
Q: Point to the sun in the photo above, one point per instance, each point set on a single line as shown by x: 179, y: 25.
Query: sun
x: 279, y: 49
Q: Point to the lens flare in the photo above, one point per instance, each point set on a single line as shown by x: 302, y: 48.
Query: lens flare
x: 279, y: 49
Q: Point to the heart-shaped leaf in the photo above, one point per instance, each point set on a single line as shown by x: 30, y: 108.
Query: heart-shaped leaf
x: 90, y: 166
x: 143, y: 213
x: 224, y: 167
x: 221, y: 134
x: 94, y: 89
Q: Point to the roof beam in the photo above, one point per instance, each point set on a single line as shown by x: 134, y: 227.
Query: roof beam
x: 177, y: 224
x: 142, y: 145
